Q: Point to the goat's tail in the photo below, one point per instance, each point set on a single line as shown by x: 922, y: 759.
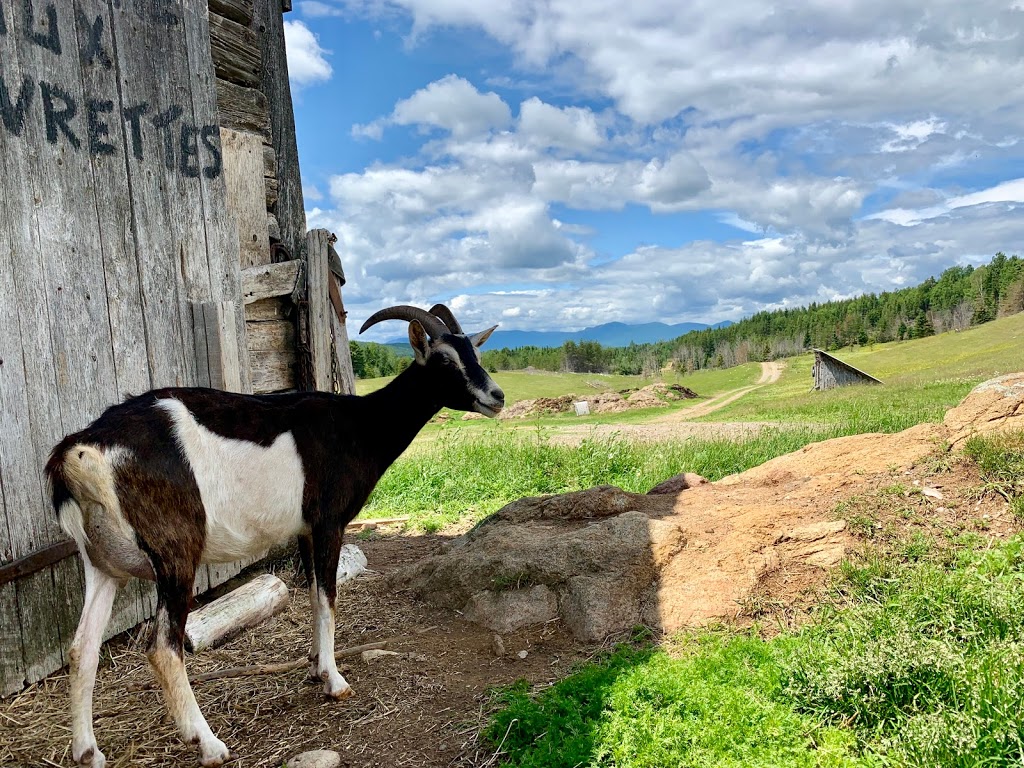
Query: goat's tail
x: 81, y: 477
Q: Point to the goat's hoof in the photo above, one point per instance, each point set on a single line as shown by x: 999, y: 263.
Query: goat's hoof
x: 340, y: 694
x: 91, y: 756
x: 214, y: 753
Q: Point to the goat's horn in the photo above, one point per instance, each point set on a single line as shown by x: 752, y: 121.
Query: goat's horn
x: 446, y: 315
x: 431, y: 324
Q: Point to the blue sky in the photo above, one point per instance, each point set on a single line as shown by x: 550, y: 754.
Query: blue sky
x: 554, y: 164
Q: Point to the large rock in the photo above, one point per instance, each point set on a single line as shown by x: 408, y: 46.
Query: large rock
x: 995, y: 406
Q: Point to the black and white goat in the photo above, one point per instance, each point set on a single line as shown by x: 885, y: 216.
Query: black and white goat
x: 178, y: 477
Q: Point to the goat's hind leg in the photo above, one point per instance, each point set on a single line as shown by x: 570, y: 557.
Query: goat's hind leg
x: 167, y: 658
x: 306, y: 556
x: 100, y: 589
x: 326, y: 550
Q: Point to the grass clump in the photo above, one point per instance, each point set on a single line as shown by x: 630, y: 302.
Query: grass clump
x: 1000, y: 459
x: 717, y: 704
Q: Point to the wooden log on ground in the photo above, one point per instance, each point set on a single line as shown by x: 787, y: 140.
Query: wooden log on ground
x: 246, y: 606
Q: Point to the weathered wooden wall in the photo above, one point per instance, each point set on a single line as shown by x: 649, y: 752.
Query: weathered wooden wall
x: 113, y: 236
x: 829, y: 373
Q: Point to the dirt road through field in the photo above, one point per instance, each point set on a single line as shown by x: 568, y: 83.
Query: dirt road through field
x: 678, y: 424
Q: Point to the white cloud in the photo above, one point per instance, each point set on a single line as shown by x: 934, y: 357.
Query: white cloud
x: 1007, y: 192
x: 550, y: 126
x: 452, y: 104
x: 306, y: 62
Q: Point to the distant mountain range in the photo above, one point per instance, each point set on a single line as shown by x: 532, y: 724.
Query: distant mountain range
x: 607, y: 335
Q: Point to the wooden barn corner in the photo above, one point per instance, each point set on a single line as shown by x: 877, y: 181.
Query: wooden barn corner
x: 152, y: 234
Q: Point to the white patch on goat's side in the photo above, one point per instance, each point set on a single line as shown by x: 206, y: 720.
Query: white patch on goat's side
x: 252, y: 495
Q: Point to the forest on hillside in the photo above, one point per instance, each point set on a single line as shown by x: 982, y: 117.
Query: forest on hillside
x: 959, y: 298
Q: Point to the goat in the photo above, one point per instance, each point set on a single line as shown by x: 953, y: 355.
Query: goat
x: 182, y: 476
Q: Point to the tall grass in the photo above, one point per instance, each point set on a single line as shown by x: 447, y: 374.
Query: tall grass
x: 470, y: 474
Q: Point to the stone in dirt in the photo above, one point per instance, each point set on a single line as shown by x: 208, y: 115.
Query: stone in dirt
x: 604, y: 560
x: 678, y: 483
x: 316, y: 758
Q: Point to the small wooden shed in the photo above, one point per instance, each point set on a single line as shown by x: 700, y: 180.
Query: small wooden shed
x: 152, y: 234
x: 830, y: 372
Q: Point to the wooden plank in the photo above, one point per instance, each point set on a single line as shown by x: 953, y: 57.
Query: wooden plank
x: 243, y: 179
x: 319, y: 309
x: 26, y: 358
x: 12, y: 657
x: 273, y: 372
x: 243, y: 109
x: 236, y: 10
x: 275, y: 308
x: 236, y: 51
x: 272, y: 336
x: 269, y: 280
x: 221, y: 232
x: 112, y: 195
x: 345, y: 378
x: 221, y: 365
x: 150, y: 59
x: 268, y: 21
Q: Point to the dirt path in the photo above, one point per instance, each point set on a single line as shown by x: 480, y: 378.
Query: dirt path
x: 678, y: 424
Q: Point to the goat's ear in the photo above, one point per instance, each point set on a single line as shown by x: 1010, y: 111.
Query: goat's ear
x: 478, y: 339
x: 419, y: 341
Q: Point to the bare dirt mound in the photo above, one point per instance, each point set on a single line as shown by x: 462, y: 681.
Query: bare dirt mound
x: 603, y: 560
x: 608, y: 401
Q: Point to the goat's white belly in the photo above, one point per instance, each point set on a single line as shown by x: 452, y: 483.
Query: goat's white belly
x: 252, y: 495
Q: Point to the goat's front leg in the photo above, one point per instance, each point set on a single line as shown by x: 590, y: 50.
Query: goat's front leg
x: 167, y: 657
x: 84, y: 658
x: 326, y: 550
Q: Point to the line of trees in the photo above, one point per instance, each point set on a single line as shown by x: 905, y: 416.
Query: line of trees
x: 959, y: 298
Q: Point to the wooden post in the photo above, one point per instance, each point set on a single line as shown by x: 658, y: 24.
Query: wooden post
x: 319, y: 311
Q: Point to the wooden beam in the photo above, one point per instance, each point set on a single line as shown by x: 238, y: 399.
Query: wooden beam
x: 236, y: 51
x: 269, y: 280
x: 244, y: 109
x: 236, y: 10
x: 36, y: 561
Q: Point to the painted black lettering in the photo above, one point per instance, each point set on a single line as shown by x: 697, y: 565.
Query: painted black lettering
x: 93, y: 50
x: 211, y: 140
x: 189, y: 151
x: 134, y: 117
x: 98, y: 127
x: 14, y: 114
x: 49, y: 39
x: 162, y: 121
x: 58, y: 118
